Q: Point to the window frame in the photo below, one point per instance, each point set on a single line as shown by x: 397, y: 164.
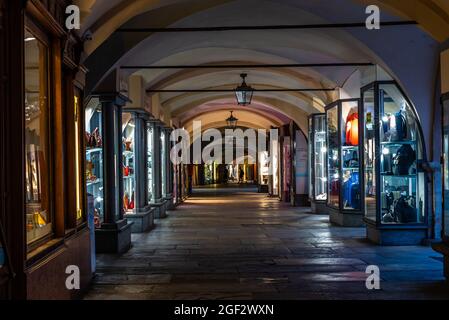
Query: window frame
x: 37, y: 31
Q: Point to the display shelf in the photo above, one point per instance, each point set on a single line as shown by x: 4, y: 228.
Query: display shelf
x: 93, y: 150
x: 98, y: 181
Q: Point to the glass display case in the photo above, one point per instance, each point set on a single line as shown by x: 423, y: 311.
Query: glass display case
x: 150, y: 152
x: 128, y: 161
x: 94, y: 159
x: 394, y: 182
x: 445, y: 102
x: 317, y: 162
x: 343, y: 162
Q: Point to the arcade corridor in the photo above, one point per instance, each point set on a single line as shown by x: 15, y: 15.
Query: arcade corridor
x: 233, y: 243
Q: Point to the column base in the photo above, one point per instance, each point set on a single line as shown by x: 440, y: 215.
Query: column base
x: 143, y: 220
x: 319, y: 207
x: 170, y: 204
x: 443, y: 248
x: 345, y: 219
x: 114, y: 237
x: 395, y: 237
x: 159, y: 209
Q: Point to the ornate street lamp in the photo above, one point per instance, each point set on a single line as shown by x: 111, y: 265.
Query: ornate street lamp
x: 244, y: 93
x: 232, y: 121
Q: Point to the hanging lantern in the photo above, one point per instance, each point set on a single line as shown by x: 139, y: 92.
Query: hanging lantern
x: 232, y: 121
x: 244, y: 93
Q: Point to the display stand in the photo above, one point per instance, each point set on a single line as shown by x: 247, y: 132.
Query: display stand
x: 264, y: 173
x: 317, y: 163
x: 344, y: 201
x: 395, y: 185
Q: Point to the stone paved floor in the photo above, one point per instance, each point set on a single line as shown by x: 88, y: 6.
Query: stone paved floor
x: 231, y: 244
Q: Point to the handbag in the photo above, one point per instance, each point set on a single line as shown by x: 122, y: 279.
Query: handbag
x: 404, y: 159
x: 404, y: 211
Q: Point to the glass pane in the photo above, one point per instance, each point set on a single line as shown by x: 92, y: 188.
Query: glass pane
x: 446, y: 165
x: 369, y: 149
x: 350, y: 154
x: 400, y: 200
x: 319, y: 159
x: 163, y: 166
x: 333, y: 161
x: 129, y: 179
x: 150, y: 162
x: 37, y: 130
x: 94, y: 161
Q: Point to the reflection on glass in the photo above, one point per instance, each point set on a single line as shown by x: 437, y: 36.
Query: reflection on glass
x: 319, y: 159
x: 369, y: 149
x: 446, y: 166
x: 94, y: 160
x: 150, y: 162
x: 402, y: 199
x: 333, y: 161
x: 37, y: 130
x: 129, y: 179
x: 350, y: 155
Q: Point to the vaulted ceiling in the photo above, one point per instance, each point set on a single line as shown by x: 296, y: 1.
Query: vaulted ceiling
x: 109, y: 49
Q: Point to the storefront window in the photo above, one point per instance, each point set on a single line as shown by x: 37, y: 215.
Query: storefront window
x: 333, y: 161
x: 150, y: 162
x: 37, y: 137
x: 275, y: 158
x: 129, y: 179
x: 94, y: 160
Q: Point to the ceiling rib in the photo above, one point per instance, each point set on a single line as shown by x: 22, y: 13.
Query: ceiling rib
x: 267, y: 27
x: 253, y: 66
